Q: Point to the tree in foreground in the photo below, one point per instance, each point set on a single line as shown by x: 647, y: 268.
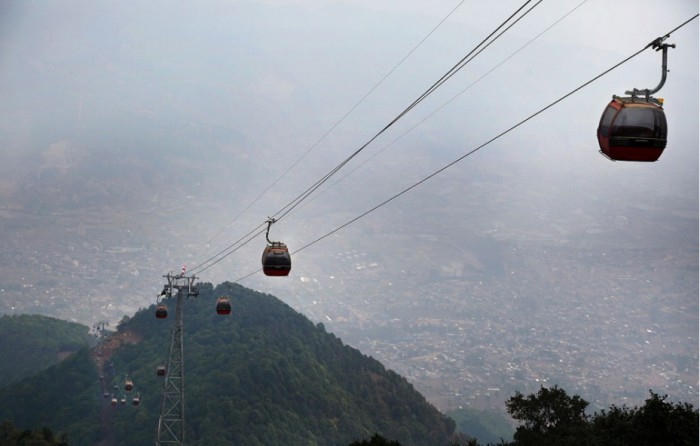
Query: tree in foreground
x: 657, y: 422
x: 551, y: 417
x: 376, y: 440
x: 11, y: 436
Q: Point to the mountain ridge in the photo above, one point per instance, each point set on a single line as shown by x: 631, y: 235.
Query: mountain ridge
x: 264, y: 375
x: 33, y: 342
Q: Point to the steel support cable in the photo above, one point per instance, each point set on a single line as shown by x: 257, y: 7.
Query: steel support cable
x: 466, y: 59
x: 230, y: 249
x: 203, y: 268
x: 451, y: 72
x: 233, y: 245
x: 413, y: 127
x: 485, y: 43
x: 334, y: 126
x: 471, y: 152
x: 463, y: 62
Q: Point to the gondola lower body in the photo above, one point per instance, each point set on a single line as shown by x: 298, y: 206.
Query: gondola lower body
x: 276, y: 260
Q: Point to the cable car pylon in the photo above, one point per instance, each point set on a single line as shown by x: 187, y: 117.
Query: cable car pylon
x: 171, y: 423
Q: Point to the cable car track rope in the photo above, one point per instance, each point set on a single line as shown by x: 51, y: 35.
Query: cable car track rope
x: 289, y: 207
x: 334, y: 126
x: 413, y: 127
x: 471, y: 152
x: 235, y: 246
x: 451, y: 72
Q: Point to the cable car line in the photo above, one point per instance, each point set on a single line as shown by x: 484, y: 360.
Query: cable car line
x: 471, y: 152
x: 451, y: 72
x: 231, y: 249
x: 276, y: 259
x: 413, y: 127
x: 198, y: 268
x: 334, y: 126
x: 466, y: 59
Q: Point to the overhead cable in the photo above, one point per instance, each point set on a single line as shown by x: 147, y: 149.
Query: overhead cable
x: 334, y: 126
x: 451, y: 72
x: 230, y: 249
x: 414, y: 126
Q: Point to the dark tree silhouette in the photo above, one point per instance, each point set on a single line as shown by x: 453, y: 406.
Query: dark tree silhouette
x: 550, y: 417
x: 376, y: 440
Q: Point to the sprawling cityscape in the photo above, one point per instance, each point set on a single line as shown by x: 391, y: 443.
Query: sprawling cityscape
x: 468, y: 320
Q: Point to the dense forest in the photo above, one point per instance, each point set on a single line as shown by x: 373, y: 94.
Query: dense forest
x: 11, y: 436
x: 32, y: 342
x: 553, y: 418
x: 263, y: 375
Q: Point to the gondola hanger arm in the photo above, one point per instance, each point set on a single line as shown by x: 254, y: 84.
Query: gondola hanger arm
x: 270, y: 221
x: 657, y: 45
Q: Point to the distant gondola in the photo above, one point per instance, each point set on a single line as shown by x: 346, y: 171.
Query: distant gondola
x: 128, y: 385
x: 161, y: 311
x: 633, y: 130
x: 136, y: 400
x: 160, y: 370
x: 276, y: 260
x: 223, y: 305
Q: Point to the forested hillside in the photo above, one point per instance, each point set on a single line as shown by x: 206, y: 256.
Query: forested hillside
x: 32, y: 342
x: 263, y: 375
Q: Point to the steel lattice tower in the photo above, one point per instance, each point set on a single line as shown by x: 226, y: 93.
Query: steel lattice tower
x: 171, y: 423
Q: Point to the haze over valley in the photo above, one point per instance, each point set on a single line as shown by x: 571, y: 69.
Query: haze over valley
x: 133, y: 137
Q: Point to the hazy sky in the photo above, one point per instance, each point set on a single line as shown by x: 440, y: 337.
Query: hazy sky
x: 257, y: 84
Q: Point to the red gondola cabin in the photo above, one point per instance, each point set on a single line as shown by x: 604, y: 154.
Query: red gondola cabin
x: 276, y: 260
x: 160, y: 371
x: 161, y: 311
x: 633, y: 129
x: 223, y: 305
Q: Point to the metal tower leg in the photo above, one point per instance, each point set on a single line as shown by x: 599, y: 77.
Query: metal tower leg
x: 171, y: 424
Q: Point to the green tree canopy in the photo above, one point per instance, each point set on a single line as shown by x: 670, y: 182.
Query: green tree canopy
x: 376, y: 440
x: 11, y: 436
x: 31, y: 343
x: 551, y: 417
x: 657, y: 422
